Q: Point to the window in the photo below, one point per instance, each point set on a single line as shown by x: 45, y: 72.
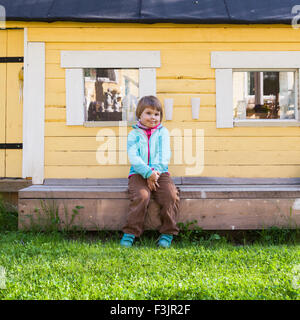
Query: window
x: 103, y: 87
x: 256, y: 88
x: 111, y: 94
x: 264, y: 95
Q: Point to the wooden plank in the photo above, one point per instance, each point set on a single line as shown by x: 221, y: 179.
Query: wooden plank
x: 224, y: 98
x: 113, y: 189
x: 184, y: 99
x: 239, y: 181
x: 57, y: 113
x: 176, y: 34
x: 206, y: 194
x: 13, y: 185
x: 14, y: 126
x: 14, y: 163
x: 54, y: 71
x: 185, y: 86
x: 3, y: 41
x: 121, y: 193
x: 2, y: 163
x: 79, y: 183
x: 34, y: 114
x: 95, y: 214
x: 59, y: 85
x: 184, y: 57
x: 180, y: 157
x: 172, y: 53
x: 60, y: 129
x: 54, y: 113
x: 118, y: 171
x: 75, y: 192
x: 147, y: 82
x: 250, y: 144
x: 163, y: 85
x: 232, y: 214
x: 249, y: 157
x: 247, y: 171
x: 86, y: 182
x: 68, y: 172
x: 210, y: 214
x: 15, y: 43
x: 74, y: 87
x: 177, y: 71
x: 180, y: 99
x: 54, y: 98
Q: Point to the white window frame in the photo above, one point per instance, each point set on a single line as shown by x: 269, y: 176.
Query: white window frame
x: 225, y: 62
x: 75, y: 61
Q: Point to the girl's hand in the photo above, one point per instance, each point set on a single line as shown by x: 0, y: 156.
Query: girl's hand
x: 152, y: 185
x: 152, y: 180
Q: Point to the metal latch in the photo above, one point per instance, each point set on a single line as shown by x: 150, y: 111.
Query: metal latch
x: 11, y: 145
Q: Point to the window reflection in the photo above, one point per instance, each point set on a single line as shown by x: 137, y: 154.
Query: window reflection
x: 264, y: 95
x: 111, y: 94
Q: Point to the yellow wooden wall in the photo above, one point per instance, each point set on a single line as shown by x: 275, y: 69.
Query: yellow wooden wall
x: 70, y: 152
x: 11, y: 45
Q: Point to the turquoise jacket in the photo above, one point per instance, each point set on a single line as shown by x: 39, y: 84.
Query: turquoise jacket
x: 157, y: 148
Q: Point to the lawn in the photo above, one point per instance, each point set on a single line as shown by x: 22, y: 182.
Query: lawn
x: 200, y: 265
x: 62, y: 266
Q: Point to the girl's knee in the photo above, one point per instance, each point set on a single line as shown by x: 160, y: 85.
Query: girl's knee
x: 143, y: 195
x: 171, y: 197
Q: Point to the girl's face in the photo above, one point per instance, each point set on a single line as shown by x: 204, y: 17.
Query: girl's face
x: 150, y: 117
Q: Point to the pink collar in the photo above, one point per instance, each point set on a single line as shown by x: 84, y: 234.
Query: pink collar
x: 146, y: 128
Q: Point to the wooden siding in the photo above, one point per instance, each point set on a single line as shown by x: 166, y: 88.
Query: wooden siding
x: 70, y: 152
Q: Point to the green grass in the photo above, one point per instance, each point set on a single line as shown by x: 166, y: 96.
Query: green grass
x: 8, y: 216
x: 261, y: 265
x: 53, y: 266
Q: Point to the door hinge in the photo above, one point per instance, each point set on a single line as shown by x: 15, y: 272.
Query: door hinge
x: 11, y: 145
x: 11, y: 59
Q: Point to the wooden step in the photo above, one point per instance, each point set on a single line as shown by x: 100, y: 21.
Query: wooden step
x: 216, y: 203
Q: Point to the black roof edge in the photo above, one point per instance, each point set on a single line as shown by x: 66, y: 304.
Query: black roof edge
x: 152, y: 21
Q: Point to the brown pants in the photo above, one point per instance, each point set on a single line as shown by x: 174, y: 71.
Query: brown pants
x: 166, y: 195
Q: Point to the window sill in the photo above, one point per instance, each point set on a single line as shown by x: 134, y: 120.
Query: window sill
x: 93, y: 124
x: 266, y: 123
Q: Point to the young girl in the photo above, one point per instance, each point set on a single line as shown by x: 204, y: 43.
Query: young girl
x: 148, y: 148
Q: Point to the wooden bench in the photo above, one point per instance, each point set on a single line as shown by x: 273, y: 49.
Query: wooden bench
x: 9, y: 188
x: 215, y: 203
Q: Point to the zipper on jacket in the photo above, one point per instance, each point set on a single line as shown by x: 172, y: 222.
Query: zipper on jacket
x: 149, y: 145
x: 148, y: 142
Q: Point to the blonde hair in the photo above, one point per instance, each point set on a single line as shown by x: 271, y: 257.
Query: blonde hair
x: 146, y: 102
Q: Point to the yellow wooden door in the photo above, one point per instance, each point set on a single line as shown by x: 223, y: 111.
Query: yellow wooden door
x: 3, y: 46
x: 11, y: 103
